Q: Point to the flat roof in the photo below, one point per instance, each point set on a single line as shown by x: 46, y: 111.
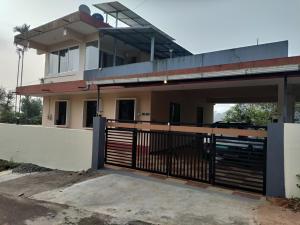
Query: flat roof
x: 140, y: 37
x: 50, y: 33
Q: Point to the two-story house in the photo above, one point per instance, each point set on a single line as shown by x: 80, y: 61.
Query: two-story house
x: 138, y: 72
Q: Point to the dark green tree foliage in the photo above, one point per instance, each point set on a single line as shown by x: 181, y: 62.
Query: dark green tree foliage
x: 256, y: 114
x: 31, y: 109
x: 6, y: 106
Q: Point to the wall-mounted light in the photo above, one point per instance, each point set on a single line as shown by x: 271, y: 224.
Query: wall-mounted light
x: 171, y: 53
x: 65, y: 32
x: 165, y: 81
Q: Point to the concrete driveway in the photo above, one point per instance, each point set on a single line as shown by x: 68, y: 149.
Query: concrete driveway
x: 127, y: 196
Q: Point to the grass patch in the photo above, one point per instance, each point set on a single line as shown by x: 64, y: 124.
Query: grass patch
x: 7, y: 165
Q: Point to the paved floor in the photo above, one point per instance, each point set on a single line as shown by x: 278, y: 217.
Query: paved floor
x: 125, y: 197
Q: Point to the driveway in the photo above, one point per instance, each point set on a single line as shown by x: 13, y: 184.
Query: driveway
x: 125, y: 197
x: 112, y: 197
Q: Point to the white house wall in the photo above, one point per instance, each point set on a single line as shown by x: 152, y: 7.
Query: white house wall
x: 291, y: 159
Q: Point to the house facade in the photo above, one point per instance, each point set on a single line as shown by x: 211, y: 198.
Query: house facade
x: 139, y: 73
x: 164, y: 96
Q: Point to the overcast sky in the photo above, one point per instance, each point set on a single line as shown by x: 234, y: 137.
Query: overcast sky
x: 198, y: 25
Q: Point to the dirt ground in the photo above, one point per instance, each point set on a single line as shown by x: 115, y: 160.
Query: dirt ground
x: 270, y: 214
x: 45, y: 181
x: 18, y: 208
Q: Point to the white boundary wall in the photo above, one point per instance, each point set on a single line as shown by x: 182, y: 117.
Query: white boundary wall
x: 56, y: 148
x: 291, y: 159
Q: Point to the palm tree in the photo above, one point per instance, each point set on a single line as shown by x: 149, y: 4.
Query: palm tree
x: 18, y: 50
x: 23, y: 30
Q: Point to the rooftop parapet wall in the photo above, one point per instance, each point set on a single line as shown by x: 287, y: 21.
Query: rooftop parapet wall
x: 245, y: 54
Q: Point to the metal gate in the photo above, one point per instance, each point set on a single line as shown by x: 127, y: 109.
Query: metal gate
x: 237, y: 162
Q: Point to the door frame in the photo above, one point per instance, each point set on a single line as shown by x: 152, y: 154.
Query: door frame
x: 84, y: 110
x: 117, y: 107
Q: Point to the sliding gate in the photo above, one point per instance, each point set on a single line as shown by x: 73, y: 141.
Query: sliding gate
x: 237, y: 162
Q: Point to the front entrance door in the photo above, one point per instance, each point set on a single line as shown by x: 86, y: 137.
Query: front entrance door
x: 199, y: 116
x: 174, y: 116
x: 126, y: 110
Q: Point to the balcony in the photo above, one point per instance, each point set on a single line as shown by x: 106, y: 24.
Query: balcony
x: 251, y: 53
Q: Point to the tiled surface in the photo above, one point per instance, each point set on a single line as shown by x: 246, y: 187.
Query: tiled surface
x: 190, y: 183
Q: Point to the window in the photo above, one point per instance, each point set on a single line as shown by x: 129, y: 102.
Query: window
x: 53, y: 62
x: 91, y: 55
x: 125, y: 110
x: 90, y: 110
x: 61, y: 112
x: 64, y: 60
x: 74, y: 59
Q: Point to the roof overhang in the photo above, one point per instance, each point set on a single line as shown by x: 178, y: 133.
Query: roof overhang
x: 140, y: 37
x: 73, y: 27
x: 255, y: 71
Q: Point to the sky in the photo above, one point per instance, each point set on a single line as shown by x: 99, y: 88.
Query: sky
x: 198, y: 25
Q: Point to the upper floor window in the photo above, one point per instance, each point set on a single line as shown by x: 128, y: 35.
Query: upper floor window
x: 91, y: 55
x: 64, y: 60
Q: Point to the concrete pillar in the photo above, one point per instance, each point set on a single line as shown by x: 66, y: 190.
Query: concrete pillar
x: 291, y: 101
x: 98, y: 153
x: 285, y: 102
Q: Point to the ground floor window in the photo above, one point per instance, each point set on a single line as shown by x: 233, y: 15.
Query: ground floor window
x: 61, y: 113
x: 90, y: 111
x: 125, y: 109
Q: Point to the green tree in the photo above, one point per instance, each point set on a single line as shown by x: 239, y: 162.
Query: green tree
x: 6, y: 106
x: 31, y: 110
x: 257, y: 114
x: 23, y: 31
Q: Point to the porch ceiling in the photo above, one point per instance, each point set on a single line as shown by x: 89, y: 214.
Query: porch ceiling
x: 256, y: 90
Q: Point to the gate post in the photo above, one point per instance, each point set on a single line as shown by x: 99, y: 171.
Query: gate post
x: 134, y: 147
x: 99, y: 125
x: 274, y: 177
x: 212, y: 158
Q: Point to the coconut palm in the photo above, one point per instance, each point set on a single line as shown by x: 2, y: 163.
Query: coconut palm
x: 23, y: 30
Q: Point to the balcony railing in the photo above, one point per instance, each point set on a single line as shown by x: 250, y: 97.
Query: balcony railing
x: 267, y: 51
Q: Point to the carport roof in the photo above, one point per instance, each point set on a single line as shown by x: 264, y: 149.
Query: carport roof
x: 264, y: 69
x: 140, y: 37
